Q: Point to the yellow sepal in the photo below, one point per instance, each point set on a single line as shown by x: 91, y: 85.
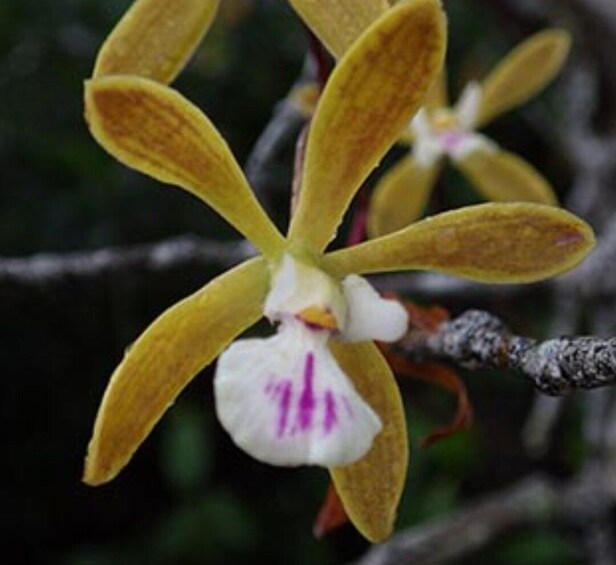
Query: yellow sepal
x: 155, y: 369
x: 155, y: 38
x: 370, y: 489
x: 523, y: 73
x: 400, y: 197
x: 504, y: 177
x: 155, y: 130
x: 495, y: 243
x: 438, y: 96
x: 338, y: 24
x: 371, y: 95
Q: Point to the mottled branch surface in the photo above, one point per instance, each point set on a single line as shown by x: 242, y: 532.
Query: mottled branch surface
x: 479, y: 340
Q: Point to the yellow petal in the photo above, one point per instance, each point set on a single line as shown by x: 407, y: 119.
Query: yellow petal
x: 523, y: 73
x: 370, y: 97
x: 182, y: 341
x: 155, y: 130
x: 437, y: 96
x: 400, y: 197
x: 371, y: 488
x: 338, y: 24
x: 497, y: 243
x: 155, y: 38
x: 504, y: 177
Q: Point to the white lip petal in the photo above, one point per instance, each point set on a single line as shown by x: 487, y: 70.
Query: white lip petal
x: 285, y: 401
x: 369, y: 316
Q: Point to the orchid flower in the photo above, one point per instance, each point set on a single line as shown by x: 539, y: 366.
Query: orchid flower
x: 438, y: 131
x: 318, y: 391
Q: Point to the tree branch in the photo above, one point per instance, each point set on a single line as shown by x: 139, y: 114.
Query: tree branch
x: 44, y: 268
x: 478, y: 340
x: 581, y: 501
x: 468, y: 529
x: 283, y: 128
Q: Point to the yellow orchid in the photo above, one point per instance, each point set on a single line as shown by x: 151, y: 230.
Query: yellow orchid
x: 318, y: 391
x: 439, y: 131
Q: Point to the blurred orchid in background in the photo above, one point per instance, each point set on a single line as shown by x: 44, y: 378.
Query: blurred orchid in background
x: 439, y: 131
